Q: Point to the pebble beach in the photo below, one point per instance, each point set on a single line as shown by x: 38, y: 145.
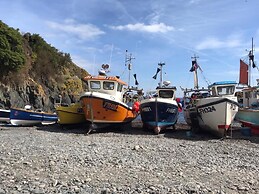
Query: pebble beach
x: 51, y: 159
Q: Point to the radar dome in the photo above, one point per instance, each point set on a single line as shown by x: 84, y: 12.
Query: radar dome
x: 166, y: 83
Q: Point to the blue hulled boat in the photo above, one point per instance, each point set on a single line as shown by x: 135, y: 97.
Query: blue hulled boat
x: 161, y: 110
x: 27, y: 117
x: 4, y: 115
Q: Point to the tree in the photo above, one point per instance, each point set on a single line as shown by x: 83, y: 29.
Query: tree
x: 12, y: 55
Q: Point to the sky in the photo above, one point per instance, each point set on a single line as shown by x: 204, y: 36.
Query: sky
x: 94, y: 32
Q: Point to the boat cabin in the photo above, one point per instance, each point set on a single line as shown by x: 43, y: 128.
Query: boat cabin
x: 191, y: 95
x: 166, y: 92
x: 250, y: 97
x: 106, y: 84
x: 225, y: 88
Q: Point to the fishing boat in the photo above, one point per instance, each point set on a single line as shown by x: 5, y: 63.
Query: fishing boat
x: 191, y: 96
x: 103, y: 103
x: 211, y: 109
x: 4, y: 115
x: 70, y: 114
x: 189, y: 103
x: 28, y: 117
x: 160, y: 111
x: 248, y: 113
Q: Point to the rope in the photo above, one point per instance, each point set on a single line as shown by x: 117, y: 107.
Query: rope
x: 205, y: 79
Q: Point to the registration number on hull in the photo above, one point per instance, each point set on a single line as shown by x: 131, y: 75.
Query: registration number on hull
x: 146, y: 109
x: 110, y: 106
x: 171, y: 110
x: 206, y: 109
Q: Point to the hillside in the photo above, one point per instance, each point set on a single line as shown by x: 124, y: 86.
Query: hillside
x: 34, y: 72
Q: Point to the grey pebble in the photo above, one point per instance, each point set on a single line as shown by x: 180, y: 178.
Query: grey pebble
x: 49, y: 160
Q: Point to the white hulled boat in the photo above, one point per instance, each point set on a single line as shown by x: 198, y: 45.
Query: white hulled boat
x: 211, y: 109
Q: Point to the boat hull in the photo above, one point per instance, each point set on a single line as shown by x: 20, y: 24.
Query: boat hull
x: 102, y: 110
x: 216, y: 114
x: 72, y: 114
x: 4, y: 115
x: 249, y: 118
x: 158, y: 114
x: 49, y: 118
x: 28, y: 117
x: 191, y: 117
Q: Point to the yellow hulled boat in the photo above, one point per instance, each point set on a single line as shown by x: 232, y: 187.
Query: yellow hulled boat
x: 103, y: 104
x: 72, y: 114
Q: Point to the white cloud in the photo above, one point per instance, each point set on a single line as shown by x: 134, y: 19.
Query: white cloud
x: 215, y: 43
x: 209, y: 43
x: 83, y: 31
x: 140, y: 27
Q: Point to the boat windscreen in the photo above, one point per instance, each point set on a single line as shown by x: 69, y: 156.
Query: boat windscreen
x: 119, y: 88
x: 108, y: 85
x: 95, y: 84
x: 166, y: 94
x: 226, y: 90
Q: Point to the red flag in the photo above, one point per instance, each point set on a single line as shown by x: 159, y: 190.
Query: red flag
x: 243, y: 76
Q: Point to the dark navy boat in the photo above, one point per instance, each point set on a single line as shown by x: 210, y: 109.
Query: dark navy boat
x: 161, y: 110
x: 4, y: 115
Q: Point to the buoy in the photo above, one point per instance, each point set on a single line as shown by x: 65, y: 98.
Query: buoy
x: 136, y: 106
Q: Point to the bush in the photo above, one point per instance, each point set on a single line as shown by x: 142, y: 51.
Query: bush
x: 12, y: 55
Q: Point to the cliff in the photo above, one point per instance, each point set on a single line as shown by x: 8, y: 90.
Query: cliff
x: 34, y: 72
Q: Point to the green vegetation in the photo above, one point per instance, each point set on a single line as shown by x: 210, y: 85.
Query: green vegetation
x: 12, y: 56
x: 29, y: 57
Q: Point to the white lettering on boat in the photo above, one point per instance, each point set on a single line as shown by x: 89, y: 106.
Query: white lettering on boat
x: 170, y: 110
x: 110, y: 106
x: 206, y: 109
x: 146, y: 109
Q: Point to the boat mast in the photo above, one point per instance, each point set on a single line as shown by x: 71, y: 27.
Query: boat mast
x: 128, y: 58
x: 251, y: 61
x: 194, y: 62
x: 161, y: 73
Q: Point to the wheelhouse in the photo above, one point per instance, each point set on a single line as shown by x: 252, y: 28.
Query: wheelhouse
x: 105, y: 84
x: 250, y: 96
x: 169, y: 92
x: 190, y: 95
x: 226, y: 88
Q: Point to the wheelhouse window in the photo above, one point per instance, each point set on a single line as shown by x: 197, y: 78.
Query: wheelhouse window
x: 120, y: 86
x: 166, y: 93
x: 213, y: 91
x: 108, y: 85
x: 226, y: 90
x: 247, y: 95
x: 95, y: 84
